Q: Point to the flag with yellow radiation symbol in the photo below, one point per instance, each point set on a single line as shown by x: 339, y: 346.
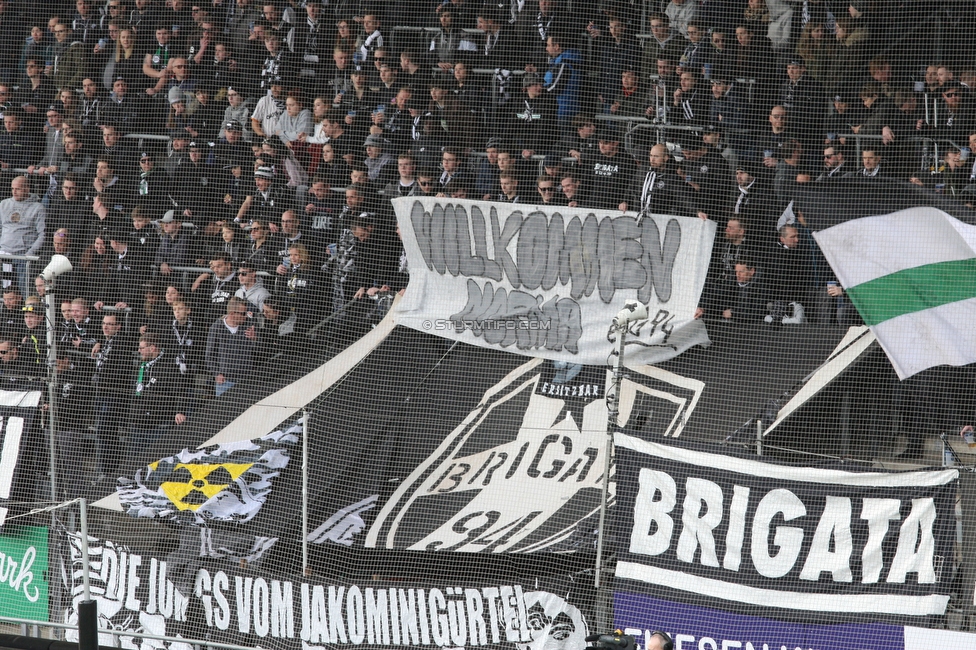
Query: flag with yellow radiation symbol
x: 227, y: 482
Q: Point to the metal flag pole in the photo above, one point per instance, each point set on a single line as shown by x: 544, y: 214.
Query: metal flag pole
x: 633, y: 311
x: 305, y: 569
x: 52, y: 388
x: 87, y: 608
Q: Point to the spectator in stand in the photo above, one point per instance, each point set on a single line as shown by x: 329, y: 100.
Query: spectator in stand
x: 957, y: 115
x: 291, y: 232
x: 12, y: 365
x: 260, y: 255
x: 509, y: 185
x: 175, y: 244
x: 659, y: 189
x: 271, y: 106
x: 628, y: 99
x: 310, y: 43
x: 663, y: 45
x: 21, y: 226
x: 619, y: 52
x: 790, y: 276
x: 279, y: 62
x: 155, y: 186
x: 276, y: 332
x: 533, y: 120
x: 804, y: 98
x: 751, y: 58
x: 681, y: 13
x: 70, y: 58
x: 584, y: 142
x: 16, y: 143
x: 204, y: 116
x: 231, y: 342
x: 159, y: 398
x: 693, y: 56
x: 608, y: 172
x: 427, y: 182
x: 267, y: 200
x: 113, y: 147
x: 187, y: 353
x: 371, y: 39
x: 237, y: 114
x: 753, y: 199
x: 211, y: 291
x: 572, y: 194
x: 710, y: 174
x: 689, y: 106
x: 12, y: 315
x: 194, y: 187
x: 322, y: 205
x: 448, y: 41
x: 564, y: 78
x: 231, y: 147
x: 534, y: 28
x: 497, y: 47
x: 112, y: 355
x: 35, y: 95
x: 407, y: 183
x: 833, y: 163
x: 773, y: 140
x: 252, y: 290
x: 303, y: 293
x: 295, y: 123
x: 844, y: 119
x: 872, y: 167
x: 741, y: 299
x: 728, y: 107
x: 128, y: 274
x: 378, y: 157
x: 546, y: 187
x: 34, y: 343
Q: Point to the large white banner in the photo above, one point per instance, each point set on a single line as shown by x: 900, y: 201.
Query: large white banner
x: 547, y: 282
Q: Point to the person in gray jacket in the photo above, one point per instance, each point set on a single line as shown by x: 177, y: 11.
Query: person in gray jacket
x: 21, y: 226
x: 230, y: 347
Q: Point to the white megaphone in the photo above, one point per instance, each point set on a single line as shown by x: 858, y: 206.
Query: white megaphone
x: 58, y: 265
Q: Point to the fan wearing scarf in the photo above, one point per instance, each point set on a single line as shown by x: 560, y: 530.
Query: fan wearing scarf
x: 157, y: 399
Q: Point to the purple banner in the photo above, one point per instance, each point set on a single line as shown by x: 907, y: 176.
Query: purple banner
x: 698, y: 628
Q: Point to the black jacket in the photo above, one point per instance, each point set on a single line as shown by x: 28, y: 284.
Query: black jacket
x: 157, y: 394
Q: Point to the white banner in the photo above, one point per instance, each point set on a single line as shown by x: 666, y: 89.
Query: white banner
x: 547, y: 282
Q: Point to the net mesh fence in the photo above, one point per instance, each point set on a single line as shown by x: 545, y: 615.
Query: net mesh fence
x: 474, y: 324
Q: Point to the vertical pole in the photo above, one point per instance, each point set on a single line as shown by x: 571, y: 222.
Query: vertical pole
x: 759, y: 436
x: 305, y: 569
x: 87, y: 608
x: 52, y: 391
x: 613, y: 409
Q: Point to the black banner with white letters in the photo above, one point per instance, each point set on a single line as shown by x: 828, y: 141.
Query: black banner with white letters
x: 742, y: 533
x: 18, y: 447
x: 142, y: 593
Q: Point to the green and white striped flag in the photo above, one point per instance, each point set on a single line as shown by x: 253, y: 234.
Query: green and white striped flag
x: 911, y: 274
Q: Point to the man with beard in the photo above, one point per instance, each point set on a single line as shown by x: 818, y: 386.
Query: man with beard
x: 833, y: 163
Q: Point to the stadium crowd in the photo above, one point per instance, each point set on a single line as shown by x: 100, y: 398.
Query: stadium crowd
x: 264, y: 141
